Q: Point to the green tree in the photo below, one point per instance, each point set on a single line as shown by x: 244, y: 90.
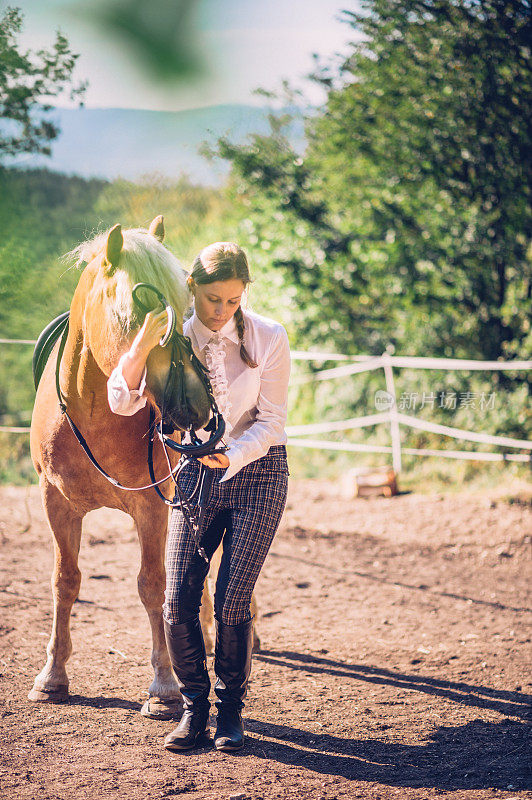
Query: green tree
x: 407, y: 218
x: 29, y: 81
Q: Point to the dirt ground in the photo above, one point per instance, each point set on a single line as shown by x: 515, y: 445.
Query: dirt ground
x: 394, y: 659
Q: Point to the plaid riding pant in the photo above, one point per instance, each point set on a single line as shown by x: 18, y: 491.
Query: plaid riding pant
x: 243, y: 512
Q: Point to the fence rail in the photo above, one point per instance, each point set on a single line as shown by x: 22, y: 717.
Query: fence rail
x: 395, y: 419
x: 392, y: 416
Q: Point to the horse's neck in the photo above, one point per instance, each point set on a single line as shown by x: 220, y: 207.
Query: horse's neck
x: 83, y: 383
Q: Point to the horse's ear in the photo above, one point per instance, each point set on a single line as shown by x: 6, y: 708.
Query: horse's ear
x: 157, y: 228
x: 113, y: 248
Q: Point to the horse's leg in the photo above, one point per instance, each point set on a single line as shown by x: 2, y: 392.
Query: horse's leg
x: 207, y: 618
x: 165, y: 698
x: 207, y: 608
x: 51, y: 684
x: 255, y: 613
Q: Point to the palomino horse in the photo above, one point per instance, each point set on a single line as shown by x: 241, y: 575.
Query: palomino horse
x: 102, y: 324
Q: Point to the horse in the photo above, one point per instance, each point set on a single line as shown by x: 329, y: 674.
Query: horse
x: 103, y: 321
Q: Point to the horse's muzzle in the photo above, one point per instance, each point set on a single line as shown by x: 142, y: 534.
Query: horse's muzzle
x: 185, y: 421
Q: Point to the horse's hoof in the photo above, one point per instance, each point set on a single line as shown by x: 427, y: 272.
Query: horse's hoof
x: 155, y: 708
x: 57, y: 695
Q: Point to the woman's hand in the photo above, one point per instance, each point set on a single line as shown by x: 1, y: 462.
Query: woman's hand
x: 215, y: 461
x: 152, y: 330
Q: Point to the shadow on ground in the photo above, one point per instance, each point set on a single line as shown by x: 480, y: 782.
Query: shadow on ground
x: 478, y: 755
x: 514, y: 704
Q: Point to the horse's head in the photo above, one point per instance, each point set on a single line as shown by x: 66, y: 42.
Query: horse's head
x: 110, y: 318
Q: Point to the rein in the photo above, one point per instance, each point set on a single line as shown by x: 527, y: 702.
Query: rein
x: 196, y: 449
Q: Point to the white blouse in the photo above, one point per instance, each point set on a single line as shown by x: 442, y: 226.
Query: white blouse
x: 253, y: 401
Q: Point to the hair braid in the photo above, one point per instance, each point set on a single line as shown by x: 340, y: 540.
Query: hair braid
x: 240, y: 327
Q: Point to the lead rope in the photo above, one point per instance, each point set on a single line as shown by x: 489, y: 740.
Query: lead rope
x: 193, y: 519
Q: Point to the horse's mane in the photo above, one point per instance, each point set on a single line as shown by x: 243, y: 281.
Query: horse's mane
x: 143, y: 259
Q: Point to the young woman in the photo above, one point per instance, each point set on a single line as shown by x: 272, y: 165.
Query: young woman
x: 248, y: 359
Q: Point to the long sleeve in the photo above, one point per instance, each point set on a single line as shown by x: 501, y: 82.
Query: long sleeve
x: 270, y: 419
x: 122, y: 399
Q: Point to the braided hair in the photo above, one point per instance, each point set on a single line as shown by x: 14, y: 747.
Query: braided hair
x: 222, y: 261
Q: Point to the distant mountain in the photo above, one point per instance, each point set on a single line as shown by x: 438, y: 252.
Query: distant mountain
x: 109, y: 143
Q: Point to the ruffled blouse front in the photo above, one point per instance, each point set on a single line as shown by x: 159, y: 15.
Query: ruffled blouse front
x: 215, y: 355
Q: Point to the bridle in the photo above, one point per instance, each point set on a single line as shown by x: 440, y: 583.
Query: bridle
x: 181, y: 350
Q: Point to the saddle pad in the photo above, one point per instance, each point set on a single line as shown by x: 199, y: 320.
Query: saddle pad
x: 45, y: 344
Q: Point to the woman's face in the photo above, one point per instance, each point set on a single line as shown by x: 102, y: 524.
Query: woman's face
x: 215, y: 303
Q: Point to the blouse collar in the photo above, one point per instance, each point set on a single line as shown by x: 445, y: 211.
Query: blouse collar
x: 204, y: 334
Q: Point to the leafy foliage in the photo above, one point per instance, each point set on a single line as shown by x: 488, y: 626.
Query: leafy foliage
x: 161, y: 35
x: 407, y: 219
x: 28, y: 83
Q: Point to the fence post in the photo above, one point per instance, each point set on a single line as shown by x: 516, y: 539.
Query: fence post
x: 394, y: 421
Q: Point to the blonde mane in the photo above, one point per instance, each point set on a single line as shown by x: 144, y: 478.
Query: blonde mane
x: 143, y: 259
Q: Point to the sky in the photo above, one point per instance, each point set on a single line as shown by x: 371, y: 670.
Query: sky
x: 244, y: 44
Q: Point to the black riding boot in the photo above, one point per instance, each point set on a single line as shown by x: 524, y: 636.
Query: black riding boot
x: 187, y: 654
x: 232, y: 665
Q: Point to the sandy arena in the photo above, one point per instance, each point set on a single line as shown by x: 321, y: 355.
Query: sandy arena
x: 394, y: 658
